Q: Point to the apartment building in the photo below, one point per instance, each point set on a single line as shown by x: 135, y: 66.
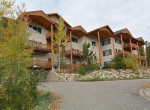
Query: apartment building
x: 104, y: 42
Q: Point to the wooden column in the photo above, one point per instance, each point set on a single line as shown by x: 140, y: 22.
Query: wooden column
x: 145, y: 56
x: 131, y: 47
x: 99, y: 50
x: 52, y: 46
x: 139, y: 55
x: 85, y: 39
x: 122, y: 45
x: 114, y: 46
x: 71, y: 49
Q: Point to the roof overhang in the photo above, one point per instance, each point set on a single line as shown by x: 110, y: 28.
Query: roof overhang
x: 41, y: 18
x: 141, y: 41
x: 58, y: 16
x: 105, y: 32
x: 126, y: 35
x: 79, y: 31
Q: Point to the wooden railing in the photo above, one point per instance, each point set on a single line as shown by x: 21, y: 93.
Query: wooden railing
x: 41, y: 64
x: 126, y: 53
x: 142, y: 58
x: 48, y: 35
x: 127, y: 45
x: 39, y: 47
x: 75, y: 53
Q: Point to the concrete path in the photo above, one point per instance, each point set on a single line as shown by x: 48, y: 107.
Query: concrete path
x: 103, y: 95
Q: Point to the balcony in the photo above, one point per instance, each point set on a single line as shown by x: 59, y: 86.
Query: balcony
x: 142, y: 58
x: 39, y: 47
x: 75, y: 53
x: 126, y: 53
x: 127, y: 45
x: 48, y: 36
x: 41, y: 64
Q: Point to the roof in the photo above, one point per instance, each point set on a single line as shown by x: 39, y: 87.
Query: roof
x: 56, y: 14
x: 79, y: 31
x: 141, y: 41
x: 40, y: 17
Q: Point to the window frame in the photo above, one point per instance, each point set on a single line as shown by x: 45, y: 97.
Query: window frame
x: 108, y: 41
x: 110, y: 52
x: 93, y: 42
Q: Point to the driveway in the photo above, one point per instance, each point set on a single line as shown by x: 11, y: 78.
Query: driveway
x: 103, y: 95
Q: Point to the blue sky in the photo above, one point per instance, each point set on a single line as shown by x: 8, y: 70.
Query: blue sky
x: 91, y: 14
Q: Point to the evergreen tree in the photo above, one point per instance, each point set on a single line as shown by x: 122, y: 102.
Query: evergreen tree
x: 148, y: 52
x: 141, y: 50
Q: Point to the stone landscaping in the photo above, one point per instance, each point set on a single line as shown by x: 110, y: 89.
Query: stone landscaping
x: 101, y: 74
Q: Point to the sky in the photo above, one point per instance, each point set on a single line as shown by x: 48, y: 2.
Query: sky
x: 91, y: 14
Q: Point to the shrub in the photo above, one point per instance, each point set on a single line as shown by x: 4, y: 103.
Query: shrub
x: 118, y: 63
x: 131, y: 62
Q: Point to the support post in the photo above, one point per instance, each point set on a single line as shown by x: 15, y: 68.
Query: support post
x: 131, y: 47
x: 139, y: 55
x: 71, y: 49
x: 100, y: 61
x: 113, y: 46
x: 122, y: 45
x: 52, y: 46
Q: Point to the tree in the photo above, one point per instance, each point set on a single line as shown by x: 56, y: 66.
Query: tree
x: 148, y: 53
x: 118, y: 63
x: 141, y: 50
x: 60, y: 40
x: 89, y: 60
x: 17, y: 82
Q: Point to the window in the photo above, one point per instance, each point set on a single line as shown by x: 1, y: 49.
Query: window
x: 49, y: 59
x: 93, y: 43
x: 107, y: 63
x: 57, y: 21
x: 74, y: 39
x: 107, y: 52
x: 106, y: 42
x: 118, y: 41
x: 35, y: 29
x: 74, y: 62
x: 117, y: 50
x: 95, y: 57
x: 52, y: 19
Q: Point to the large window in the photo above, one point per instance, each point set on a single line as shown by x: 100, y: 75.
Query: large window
x: 118, y: 41
x: 74, y: 39
x: 107, y: 52
x: 106, y: 42
x: 35, y: 29
x: 93, y: 43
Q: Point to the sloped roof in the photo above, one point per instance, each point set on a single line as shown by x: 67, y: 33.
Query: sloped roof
x: 57, y: 15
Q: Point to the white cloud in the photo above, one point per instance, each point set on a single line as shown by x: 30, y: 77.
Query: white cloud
x: 91, y: 14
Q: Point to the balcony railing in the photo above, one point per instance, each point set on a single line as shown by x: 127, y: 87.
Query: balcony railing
x: 39, y: 47
x: 48, y: 35
x: 127, y: 45
x: 75, y: 53
x: 126, y: 53
x: 41, y: 64
x: 142, y: 57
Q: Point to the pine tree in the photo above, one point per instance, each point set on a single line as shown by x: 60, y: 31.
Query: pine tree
x: 141, y: 50
x: 148, y: 53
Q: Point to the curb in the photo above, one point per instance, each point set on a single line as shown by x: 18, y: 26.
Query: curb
x: 145, y: 93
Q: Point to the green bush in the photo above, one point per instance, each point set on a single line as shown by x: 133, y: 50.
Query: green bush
x: 118, y: 63
x: 131, y: 62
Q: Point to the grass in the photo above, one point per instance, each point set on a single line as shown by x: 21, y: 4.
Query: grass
x: 106, y: 79
x: 46, y: 100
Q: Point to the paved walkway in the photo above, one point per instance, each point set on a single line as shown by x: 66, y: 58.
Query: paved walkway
x: 103, y: 95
